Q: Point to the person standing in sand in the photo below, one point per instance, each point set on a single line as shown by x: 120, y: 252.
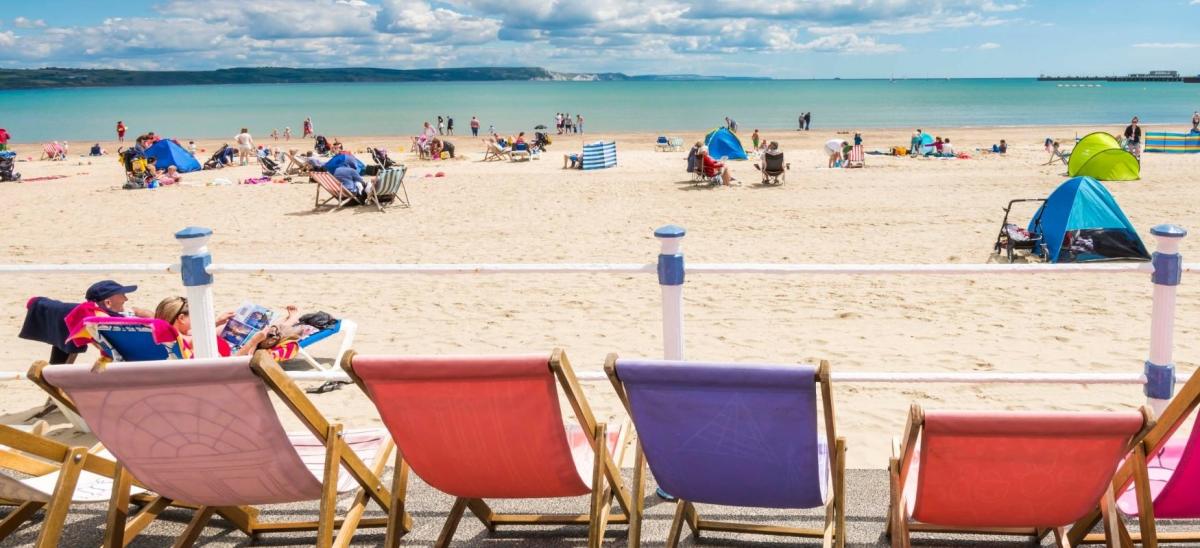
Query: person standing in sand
x: 245, y: 144
x: 449, y: 125
x: 474, y: 126
x: 1133, y: 138
x: 308, y: 127
x: 1196, y: 122
x: 275, y: 134
x: 120, y: 131
x: 807, y: 121
x: 441, y: 126
x: 287, y: 133
x: 579, y: 124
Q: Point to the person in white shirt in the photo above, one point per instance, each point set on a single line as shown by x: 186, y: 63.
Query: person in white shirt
x: 245, y: 144
x: 947, y: 148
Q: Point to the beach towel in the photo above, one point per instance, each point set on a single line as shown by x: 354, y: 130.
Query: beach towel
x: 45, y: 322
x: 256, y: 180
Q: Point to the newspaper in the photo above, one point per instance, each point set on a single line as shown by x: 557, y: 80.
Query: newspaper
x: 248, y: 320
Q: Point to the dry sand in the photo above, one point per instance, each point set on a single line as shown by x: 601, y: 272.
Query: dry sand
x: 897, y: 210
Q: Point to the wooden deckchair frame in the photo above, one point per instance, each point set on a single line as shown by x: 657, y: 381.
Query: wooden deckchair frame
x: 1172, y: 418
x: 834, y: 531
x: 607, y: 483
x: 900, y: 525
x: 245, y: 518
x: 343, y: 196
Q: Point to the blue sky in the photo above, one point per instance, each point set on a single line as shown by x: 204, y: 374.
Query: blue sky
x: 779, y: 38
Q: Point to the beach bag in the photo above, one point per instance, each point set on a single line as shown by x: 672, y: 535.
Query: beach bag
x: 899, y: 151
x: 319, y: 320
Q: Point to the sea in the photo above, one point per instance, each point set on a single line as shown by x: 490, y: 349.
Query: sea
x: 91, y: 114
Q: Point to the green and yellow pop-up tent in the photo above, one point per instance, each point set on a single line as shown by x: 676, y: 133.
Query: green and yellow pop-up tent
x: 1100, y: 156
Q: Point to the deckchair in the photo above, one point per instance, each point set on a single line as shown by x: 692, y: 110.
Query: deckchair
x: 736, y: 435
x: 52, y: 151
x: 490, y: 427
x: 1170, y: 460
x: 496, y: 152
x: 337, y: 193
x: 130, y: 339
x: 207, y: 434
x: 520, y: 151
x: 856, y: 157
x: 663, y: 143
x: 54, y: 476
x: 1008, y: 473
x: 296, y: 165
x: 390, y: 185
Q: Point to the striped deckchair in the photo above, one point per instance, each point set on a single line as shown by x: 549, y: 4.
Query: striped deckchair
x: 856, y: 157
x: 337, y: 192
x: 600, y: 155
x: 1175, y: 143
x: 390, y: 187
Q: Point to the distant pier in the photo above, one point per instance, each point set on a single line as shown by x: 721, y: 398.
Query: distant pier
x: 1152, y: 76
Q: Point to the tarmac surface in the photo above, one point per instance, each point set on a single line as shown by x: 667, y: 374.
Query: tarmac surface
x: 867, y: 493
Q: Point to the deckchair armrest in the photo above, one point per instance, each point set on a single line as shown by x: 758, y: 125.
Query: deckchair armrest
x: 896, y: 447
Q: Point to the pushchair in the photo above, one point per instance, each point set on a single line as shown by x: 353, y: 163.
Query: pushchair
x: 540, y: 140
x: 270, y: 168
x: 220, y: 158
x: 381, y: 158
x: 7, y: 158
x: 1012, y: 237
x: 321, y: 145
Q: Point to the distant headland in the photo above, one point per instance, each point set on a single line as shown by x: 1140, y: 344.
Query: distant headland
x: 56, y: 77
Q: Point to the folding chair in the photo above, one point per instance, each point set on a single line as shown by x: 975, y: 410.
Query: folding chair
x: 346, y: 328
x: 208, y: 434
x: 390, y: 186
x: 130, y: 339
x: 856, y: 158
x: 1008, y: 473
x: 1168, y: 458
x: 54, y: 476
x: 337, y: 193
x: 490, y: 427
x: 736, y: 435
x: 662, y: 144
x: 774, y: 169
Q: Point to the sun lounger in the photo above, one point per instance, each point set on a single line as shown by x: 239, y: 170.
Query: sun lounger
x: 346, y: 328
x: 520, y: 151
x: 337, y: 193
x: 856, y: 158
x: 207, y: 434
x: 390, y: 188
x: 736, y: 435
x: 490, y: 427
x: 1008, y: 473
x: 662, y: 144
x: 39, y: 473
x: 1169, y: 457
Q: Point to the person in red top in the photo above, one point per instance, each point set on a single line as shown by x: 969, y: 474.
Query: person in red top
x: 120, y: 131
x: 713, y: 168
x: 4, y: 137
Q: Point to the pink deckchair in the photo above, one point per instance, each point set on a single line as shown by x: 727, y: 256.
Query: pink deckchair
x: 480, y: 427
x: 337, y: 193
x: 856, y: 157
x: 1007, y: 473
x: 206, y: 433
x: 1169, y: 461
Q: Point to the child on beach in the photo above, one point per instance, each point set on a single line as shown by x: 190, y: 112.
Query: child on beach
x: 275, y: 134
x: 287, y: 133
x: 192, y: 147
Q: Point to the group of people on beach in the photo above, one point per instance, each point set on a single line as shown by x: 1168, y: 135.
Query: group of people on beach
x: 564, y: 124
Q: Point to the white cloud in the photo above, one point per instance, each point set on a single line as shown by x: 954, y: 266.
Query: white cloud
x: 989, y: 45
x: 24, y: 23
x: 1168, y: 45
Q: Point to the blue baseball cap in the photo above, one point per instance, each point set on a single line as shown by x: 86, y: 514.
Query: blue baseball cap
x: 107, y: 288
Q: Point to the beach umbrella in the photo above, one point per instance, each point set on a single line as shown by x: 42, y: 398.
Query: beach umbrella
x: 540, y: 126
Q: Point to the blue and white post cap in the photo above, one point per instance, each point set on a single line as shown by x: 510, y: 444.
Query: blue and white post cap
x: 195, y: 258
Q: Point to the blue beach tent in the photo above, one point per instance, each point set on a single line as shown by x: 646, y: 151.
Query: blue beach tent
x: 344, y: 158
x: 166, y: 153
x: 1081, y: 221
x: 722, y: 143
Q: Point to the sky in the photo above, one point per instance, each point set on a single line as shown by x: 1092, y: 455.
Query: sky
x: 773, y: 38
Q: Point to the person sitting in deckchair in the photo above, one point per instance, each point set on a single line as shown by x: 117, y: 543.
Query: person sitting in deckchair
x: 1057, y: 153
x: 348, y: 175
x: 714, y: 169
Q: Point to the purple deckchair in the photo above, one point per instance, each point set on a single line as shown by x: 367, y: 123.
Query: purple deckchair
x: 206, y: 433
x: 734, y: 434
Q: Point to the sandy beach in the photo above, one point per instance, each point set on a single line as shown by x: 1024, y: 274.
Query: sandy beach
x: 897, y: 210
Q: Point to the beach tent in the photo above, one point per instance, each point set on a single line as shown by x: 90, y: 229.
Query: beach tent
x: 344, y: 158
x: 1100, y: 156
x: 1172, y: 142
x: 926, y: 144
x: 722, y: 143
x: 600, y: 155
x: 166, y: 153
x: 1081, y: 221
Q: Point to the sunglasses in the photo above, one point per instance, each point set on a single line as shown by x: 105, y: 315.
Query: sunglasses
x: 183, y: 310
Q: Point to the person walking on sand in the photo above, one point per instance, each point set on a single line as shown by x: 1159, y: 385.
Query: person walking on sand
x: 1133, y: 138
x: 474, y: 126
x: 800, y: 122
x: 287, y: 133
x: 449, y: 125
x: 579, y: 124
x: 120, y: 131
x: 441, y: 126
x: 245, y: 144
x: 275, y: 134
x: 308, y: 128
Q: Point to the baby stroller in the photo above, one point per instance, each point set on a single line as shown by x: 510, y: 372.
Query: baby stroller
x: 1012, y: 237
x: 218, y: 159
x: 270, y: 167
x: 540, y: 140
x: 7, y: 158
x: 381, y: 158
x: 322, y: 145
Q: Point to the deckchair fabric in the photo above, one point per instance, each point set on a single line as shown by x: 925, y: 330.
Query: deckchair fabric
x: 337, y: 192
x: 498, y: 415
x: 733, y: 434
x: 856, y: 157
x: 129, y: 339
x: 1045, y: 470
x: 1174, y: 472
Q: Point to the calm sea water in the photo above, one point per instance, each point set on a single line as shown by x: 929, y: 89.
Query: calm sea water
x: 400, y: 108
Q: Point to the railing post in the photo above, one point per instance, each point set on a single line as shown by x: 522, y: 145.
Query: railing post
x: 1168, y: 269
x: 670, y: 277
x: 193, y: 263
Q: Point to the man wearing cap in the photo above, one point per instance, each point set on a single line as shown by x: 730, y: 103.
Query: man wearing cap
x: 110, y: 297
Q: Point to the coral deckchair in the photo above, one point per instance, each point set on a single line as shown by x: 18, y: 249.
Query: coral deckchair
x: 56, y: 476
x: 490, y: 427
x: 335, y: 190
x: 390, y: 185
x: 737, y: 435
x: 856, y: 158
x: 1173, y: 462
x: 206, y: 433
x: 52, y: 151
x: 1007, y: 473
x: 496, y: 152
